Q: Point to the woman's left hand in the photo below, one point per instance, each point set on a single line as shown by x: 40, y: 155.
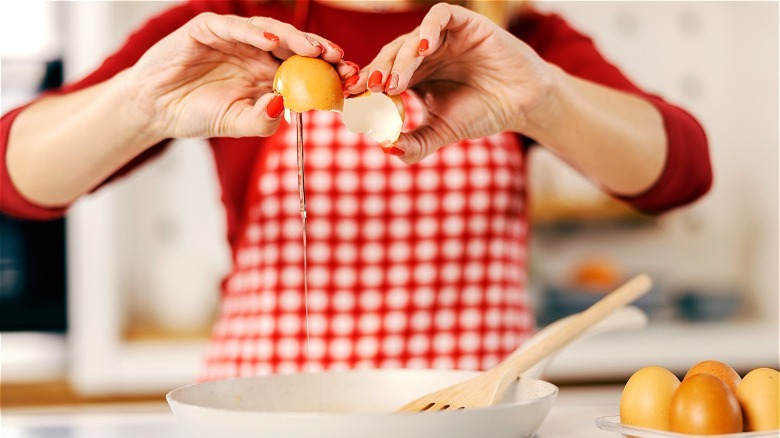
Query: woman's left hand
x: 475, y: 78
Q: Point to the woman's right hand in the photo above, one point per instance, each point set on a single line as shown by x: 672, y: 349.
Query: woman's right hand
x: 213, y: 76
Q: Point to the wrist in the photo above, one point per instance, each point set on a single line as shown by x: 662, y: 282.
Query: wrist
x: 134, y: 110
x: 539, y: 114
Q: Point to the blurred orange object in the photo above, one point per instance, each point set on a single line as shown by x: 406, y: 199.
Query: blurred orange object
x: 597, y: 274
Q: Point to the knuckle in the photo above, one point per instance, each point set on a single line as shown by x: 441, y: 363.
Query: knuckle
x: 441, y: 7
x: 269, y: 128
x: 203, y: 19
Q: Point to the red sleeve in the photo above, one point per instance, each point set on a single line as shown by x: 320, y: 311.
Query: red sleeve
x: 11, y: 201
x: 687, y: 173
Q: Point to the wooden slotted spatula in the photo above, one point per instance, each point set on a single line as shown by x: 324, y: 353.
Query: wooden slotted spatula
x: 489, y: 387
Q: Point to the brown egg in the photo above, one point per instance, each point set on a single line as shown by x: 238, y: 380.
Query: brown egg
x: 309, y: 84
x: 646, y: 398
x: 704, y: 405
x: 378, y: 115
x: 759, y: 396
x: 716, y: 369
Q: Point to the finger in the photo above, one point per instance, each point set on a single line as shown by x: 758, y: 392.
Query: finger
x: 347, y: 70
x: 332, y: 52
x: 423, y: 141
x: 262, y: 32
x: 290, y: 38
x: 441, y: 17
x: 378, y: 72
x: 356, y: 83
x: 259, y: 120
x: 406, y: 63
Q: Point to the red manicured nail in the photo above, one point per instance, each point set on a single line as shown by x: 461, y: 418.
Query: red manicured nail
x: 351, y: 81
x: 375, y: 79
x: 392, y: 150
x: 353, y: 65
x: 271, y: 36
x: 423, y: 46
x: 275, y: 106
x: 337, y: 47
x: 316, y: 44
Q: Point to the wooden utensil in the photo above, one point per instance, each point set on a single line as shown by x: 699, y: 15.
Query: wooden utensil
x: 489, y: 387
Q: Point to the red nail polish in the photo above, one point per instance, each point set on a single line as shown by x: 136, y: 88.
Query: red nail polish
x: 271, y: 36
x: 316, y: 44
x: 275, y: 107
x: 392, y: 150
x: 353, y: 65
x: 337, y: 47
x: 351, y: 81
x: 423, y: 46
x: 375, y: 79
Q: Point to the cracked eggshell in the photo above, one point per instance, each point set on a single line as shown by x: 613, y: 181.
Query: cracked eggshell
x: 309, y: 84
x: 377, y: 115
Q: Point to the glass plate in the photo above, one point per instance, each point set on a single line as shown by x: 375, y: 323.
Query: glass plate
x: 612, y: 424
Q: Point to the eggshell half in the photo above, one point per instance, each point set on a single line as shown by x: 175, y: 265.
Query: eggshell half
x: 377, y: 115
x: 309, y: 84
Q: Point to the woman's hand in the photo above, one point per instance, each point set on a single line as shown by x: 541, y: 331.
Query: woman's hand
x: 213, y: 76
x: 475, y: 78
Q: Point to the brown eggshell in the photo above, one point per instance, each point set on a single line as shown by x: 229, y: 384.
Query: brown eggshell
x: 716, y: 369
x: 645, y: 399
x: 759, y: 396
x: 309, y: 84
x: 704, y: 405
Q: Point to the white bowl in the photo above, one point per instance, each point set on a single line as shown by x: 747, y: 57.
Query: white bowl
x: 347, y: 404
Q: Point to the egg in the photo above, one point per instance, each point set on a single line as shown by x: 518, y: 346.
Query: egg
x: 646, y: 398
x: 704, y: 404
x: 309, y: 84
x: 759, y: 396
x: 716, y: 369
x: 378, y: 115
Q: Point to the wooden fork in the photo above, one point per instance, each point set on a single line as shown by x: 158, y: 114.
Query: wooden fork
x: 489, y: 387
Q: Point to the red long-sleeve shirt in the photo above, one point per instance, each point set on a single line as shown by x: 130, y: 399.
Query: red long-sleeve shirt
x: 463, y: 237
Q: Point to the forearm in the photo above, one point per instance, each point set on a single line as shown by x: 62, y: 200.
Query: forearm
x: 615, y: 138
x: 63, y: 146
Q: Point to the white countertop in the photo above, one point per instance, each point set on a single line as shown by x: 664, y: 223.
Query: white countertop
x: 573, y: 415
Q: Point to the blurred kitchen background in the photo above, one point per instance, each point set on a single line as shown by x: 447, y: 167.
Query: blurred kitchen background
x: 117, y: 299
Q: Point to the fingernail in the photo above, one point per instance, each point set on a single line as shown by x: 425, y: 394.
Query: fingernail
x: 375, y: 78
x: 353, y: 65
x: 423, y: 45
x: 392, y: 84
x: 316, y: 44
x: 337, y: 47
x: 275, y: 106
x: 271, y: 36
x: 392, y: 150
x: 351, y: 81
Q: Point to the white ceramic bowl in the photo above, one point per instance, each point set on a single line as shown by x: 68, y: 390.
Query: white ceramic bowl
x: 352, y: 404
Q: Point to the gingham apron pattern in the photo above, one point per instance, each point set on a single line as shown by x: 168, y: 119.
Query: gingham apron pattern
x: 420, y: 266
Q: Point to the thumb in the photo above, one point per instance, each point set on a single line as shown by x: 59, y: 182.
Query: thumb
x: 424, y: 140
x: 259, y: 120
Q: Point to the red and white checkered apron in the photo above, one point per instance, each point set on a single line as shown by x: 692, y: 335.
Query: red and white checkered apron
x: 419, y: 266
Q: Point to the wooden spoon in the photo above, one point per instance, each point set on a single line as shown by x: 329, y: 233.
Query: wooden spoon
x: 489, y: 387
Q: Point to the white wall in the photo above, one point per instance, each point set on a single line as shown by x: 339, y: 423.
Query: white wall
x: 719, y: 60
x: 170, y: 230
